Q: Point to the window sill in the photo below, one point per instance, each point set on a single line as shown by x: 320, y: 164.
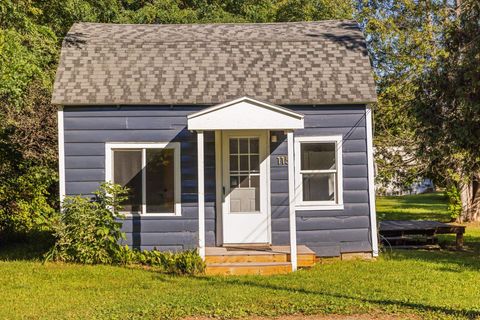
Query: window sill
x: 312, y: 207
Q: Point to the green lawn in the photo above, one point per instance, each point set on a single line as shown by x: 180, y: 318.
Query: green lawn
x: 429, y: 284
x: 429, y: 206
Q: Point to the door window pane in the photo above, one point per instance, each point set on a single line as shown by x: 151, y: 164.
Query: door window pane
x: 160, y: 181
x: 318, y: 187
x: 244, y: 163
x: 243, y: 145
x: 127, y: 172
x: 233, y: 181
x: 233, y: 146
x: 254, y: 163
x: 318, y: 156
x: 233, y: 163
x: 254, y: 145
x: 244, y: 176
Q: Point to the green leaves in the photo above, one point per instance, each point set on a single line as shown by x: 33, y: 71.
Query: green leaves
x: 447, y: 107
x: 88, y: 231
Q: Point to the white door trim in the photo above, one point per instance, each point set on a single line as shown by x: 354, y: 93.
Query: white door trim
x: 221, y: 138
x: 218, y: 188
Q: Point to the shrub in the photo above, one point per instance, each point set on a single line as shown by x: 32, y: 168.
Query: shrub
x: 88, y: 231
x: 454, y: 202
x: 25, y: 208
x: 186, y: 262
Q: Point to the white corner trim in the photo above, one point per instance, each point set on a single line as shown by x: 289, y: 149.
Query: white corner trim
x: 61, y: 154
x: 371, y: 179
x: 109, y: 146
x: 319, y: 205
x: 291, y: 201
x: 201, y: 194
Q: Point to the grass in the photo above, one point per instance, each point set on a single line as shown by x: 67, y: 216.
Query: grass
x: 429, y: 206
x: 426, y: 284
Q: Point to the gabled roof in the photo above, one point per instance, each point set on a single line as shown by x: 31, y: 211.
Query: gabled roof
x: 323, y: 62
x: 245, y: 114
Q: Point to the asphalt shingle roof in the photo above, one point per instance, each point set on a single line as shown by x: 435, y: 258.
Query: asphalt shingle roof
x: 323, y: 62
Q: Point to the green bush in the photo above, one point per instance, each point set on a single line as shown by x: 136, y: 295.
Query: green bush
x: 454, y: 202
x: 88, y: 231
x: 25, y: 208
x: 185, y: 262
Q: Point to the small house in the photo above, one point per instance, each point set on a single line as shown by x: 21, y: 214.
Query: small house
x: 227, y: 135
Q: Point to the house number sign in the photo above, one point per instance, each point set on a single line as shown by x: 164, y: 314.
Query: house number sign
x: 282, y: 160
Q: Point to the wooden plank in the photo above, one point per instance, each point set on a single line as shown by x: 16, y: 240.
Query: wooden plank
x: 248, y: 269
x: 245, y: 258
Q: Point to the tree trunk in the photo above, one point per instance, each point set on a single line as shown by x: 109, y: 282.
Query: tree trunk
x: 470, y: 198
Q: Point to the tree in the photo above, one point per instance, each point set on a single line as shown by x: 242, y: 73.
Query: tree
x: 448, y: 110
x: 31, y: 33
x: 403, y: 43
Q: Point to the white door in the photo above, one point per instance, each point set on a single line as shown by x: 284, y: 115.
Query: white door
x: 245, y: 216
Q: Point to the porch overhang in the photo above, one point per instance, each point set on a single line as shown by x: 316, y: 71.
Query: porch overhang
x: 245, y: 114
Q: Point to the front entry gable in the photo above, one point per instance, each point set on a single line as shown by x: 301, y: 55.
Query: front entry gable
x: 245, y: 114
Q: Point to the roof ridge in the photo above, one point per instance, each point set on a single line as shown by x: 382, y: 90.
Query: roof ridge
x: 217, y: 23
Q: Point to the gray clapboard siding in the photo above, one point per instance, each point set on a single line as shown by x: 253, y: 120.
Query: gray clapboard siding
x: 328, y: 232
x: 323, y: 223
x: 86, y: 131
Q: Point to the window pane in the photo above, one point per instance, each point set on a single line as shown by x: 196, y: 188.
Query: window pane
x: 254, y: 145
x: 319, y: 187
x: 160, y: 181
x: 244, y: 145
x: 254, y: 165
x: 233, y: 146
x: 233, y: 163
x: 233, y: 181
x: 127, y: 172
x: 243, y: 181
x: 244, y: 163
x: 318, y: 156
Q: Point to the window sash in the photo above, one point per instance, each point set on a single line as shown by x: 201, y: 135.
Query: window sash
x: 143, y: 147
x: 335, y: 186
x: 335, y: 204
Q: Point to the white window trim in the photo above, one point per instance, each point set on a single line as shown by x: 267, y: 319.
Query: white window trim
x: 110, y: 146
x: 319, y: 205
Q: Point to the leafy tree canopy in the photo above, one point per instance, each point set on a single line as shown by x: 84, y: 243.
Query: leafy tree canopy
x: 30, y: 39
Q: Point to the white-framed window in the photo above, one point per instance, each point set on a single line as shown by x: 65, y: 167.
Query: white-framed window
x: 318, y: 173
x: 151, y: 172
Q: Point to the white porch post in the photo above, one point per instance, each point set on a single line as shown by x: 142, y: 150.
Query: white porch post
x: 291, y: 202
x: 371, y: 180
x: 201, y: 195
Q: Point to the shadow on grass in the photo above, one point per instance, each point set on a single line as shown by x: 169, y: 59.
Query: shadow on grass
x: 31, y: 248
x: 263, y: 284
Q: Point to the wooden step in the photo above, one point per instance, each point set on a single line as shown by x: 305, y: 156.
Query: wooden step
x: 245, y: 256
x: 305, y: 256
x: 248, y: 268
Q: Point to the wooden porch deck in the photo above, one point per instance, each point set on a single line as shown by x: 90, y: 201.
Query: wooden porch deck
x: 255, y: 260
x: 411, y: 232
